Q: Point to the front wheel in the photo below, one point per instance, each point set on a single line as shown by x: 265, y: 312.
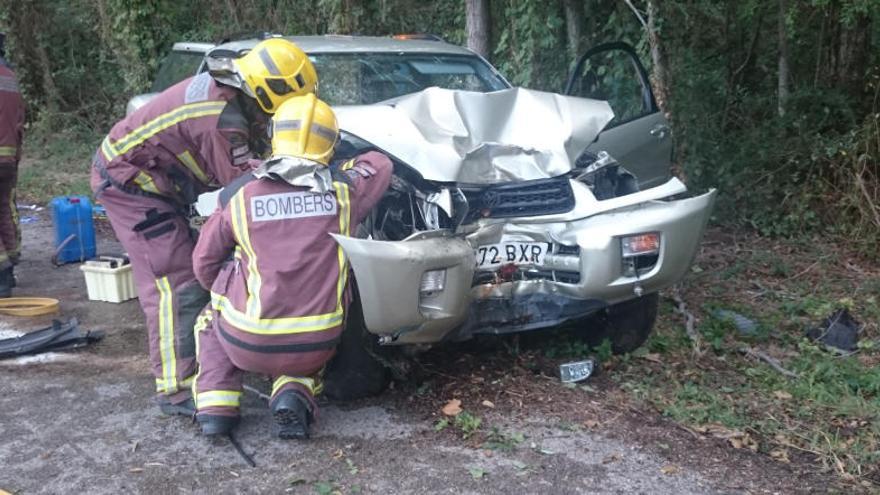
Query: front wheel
x: 355, y: 372
x: 626, y: 325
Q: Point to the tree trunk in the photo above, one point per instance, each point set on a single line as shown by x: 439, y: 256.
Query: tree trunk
x: 478, y: 26
x: 34, y: 67
x: 574, y: 21
x: 658, y: 58
x: 846, y: 53
x: 783, y: 89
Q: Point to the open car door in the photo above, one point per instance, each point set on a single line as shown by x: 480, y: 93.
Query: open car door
x: 639, y: 135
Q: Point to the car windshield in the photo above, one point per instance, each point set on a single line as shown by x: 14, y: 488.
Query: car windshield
x: 176, y: 67
x: 365, y: 78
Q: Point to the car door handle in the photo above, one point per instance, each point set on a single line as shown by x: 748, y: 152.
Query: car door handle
x: 659, y: 131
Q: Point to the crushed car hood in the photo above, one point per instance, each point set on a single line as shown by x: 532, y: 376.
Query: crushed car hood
x: 480, y: 138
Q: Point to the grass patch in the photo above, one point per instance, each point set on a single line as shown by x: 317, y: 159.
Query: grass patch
x: 830, y: 413
x: 56, y: 162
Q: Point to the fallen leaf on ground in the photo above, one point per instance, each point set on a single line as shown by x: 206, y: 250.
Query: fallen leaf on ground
x: 452, y: 408
x: 476, y: 473
x: 653, y: 357
x: 591, y: 423
x: 780, y: 455
x: 488, y: 403
x: 670, y: 469
x: 737, y: 439
x: 782, y: 395
x: 612, y: 458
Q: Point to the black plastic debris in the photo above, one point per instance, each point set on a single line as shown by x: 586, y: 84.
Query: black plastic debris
x: 58, y: 337
x: 839, y: 331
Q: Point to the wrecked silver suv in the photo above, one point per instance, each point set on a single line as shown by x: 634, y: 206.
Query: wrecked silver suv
x: 510, y: 209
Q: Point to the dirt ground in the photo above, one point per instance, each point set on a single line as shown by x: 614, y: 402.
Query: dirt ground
x: 85, y: 422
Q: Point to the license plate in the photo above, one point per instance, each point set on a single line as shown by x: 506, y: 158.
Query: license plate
x: 518, y: 253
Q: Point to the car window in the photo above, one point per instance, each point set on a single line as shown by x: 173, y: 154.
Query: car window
x: 176, y: 67
x: 365, y: 78
x: 614, y: 77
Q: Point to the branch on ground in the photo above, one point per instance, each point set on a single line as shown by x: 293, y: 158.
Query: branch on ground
x: 689, y: 321
x: 773, y: 362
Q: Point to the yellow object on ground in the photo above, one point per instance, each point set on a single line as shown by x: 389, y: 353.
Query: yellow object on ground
x: 28, y: 306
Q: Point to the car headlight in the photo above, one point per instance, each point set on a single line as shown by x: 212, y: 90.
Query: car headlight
x: 432, y: 281
x: 639, y: 253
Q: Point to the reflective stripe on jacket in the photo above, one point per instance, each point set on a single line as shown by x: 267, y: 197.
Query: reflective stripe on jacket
x: 268, y: 258
x: 11, y: 116
x: 194, y: 137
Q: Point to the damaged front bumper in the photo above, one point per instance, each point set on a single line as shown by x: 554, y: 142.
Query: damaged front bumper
x: 427, y: 287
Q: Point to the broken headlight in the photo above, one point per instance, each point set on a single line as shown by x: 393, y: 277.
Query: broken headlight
x: 604, y: 176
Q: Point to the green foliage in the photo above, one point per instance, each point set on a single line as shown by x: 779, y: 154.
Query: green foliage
x: 782, y: 175
x: 813, y: 170
x: 467, y: 423
x: 503, y: 441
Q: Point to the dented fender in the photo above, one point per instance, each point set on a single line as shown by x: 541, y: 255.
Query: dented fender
x: 389, y: 275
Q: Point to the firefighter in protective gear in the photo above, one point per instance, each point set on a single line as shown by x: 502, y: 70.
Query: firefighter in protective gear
x: 290, y: 72
x: 196, y: 136
x: 278, y: 280
x: 11, y: 135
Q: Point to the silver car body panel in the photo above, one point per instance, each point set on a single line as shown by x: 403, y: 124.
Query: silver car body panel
x: 643, y: 145
x: 481, y: 138
x: 389, y: 273
x: 335, y: 43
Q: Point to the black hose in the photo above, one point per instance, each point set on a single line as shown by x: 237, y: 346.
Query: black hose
x: 244, y: 455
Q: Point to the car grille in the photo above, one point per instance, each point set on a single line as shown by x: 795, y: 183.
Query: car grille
x: 521, y: 199
x: 565, y: 277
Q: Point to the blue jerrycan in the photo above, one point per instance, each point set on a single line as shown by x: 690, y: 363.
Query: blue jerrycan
x: 74, y: 229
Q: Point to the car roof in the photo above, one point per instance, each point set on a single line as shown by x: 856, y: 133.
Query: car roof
x: 335, y: 43
x: 188, y: 46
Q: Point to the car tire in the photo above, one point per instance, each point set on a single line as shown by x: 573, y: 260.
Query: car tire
x: 626, y: 325
x: 355, y: 372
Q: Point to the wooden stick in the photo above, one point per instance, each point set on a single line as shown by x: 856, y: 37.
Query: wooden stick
x: 774, y: 363
x: 689, y: 321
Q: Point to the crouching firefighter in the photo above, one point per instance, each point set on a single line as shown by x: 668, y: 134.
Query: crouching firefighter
x: 278, y: 280
x: 196, y: 136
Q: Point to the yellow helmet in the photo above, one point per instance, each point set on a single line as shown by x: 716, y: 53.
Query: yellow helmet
x: 304, y: 127
x: 276, y: 70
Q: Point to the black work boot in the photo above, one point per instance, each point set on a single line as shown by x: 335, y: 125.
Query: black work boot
x: 290, y: 410
x: 184, y: 408
x: 213, y: 425
x: 7, y: 282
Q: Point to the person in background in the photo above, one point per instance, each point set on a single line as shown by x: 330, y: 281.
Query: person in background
x: 11, y: 136
x: 278, y: 279
x: 196, y: 136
